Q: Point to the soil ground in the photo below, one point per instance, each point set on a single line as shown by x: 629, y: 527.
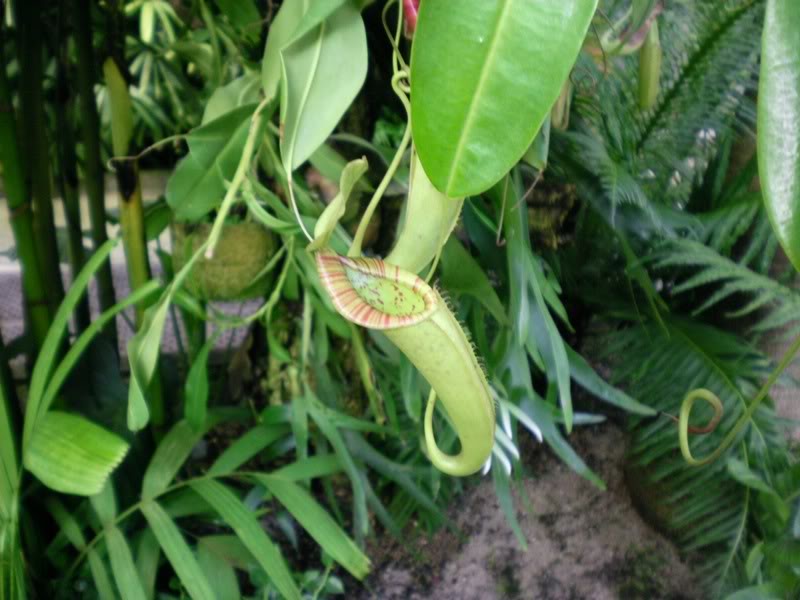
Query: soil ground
x: 583, y: 543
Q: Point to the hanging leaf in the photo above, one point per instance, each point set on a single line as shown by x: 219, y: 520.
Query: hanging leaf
x: 330, y: 217
x: 374, y: 294
x: 284, y: 29
x: 472, y: 121
x: 323, y: 70
x: 72, y: 455
x: 199, y: 181
x: 779, y: 123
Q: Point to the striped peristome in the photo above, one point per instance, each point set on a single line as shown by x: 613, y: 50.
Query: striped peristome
x: 373, y: 293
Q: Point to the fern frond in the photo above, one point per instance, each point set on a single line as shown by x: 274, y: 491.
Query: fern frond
x: 709, y: 72
x: 752, y: 291
x: 704, y: 509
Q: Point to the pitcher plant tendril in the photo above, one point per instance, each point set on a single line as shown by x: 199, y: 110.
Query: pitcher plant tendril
x: 702, y: 394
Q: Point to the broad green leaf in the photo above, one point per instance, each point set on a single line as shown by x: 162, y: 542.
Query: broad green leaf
x: 72, y: 455
x: 227, y: 98
x: 322, y: 72
x: 333, y: 213
x: 474, y: 118
x: 779, y: 123
x: 283, y: 30
x: 122, y: 566
x: 463, y: 275
x: 244, y: 15
x: 177, y: 551
x: 168, y: 458
x: 584, y: 375
x: 318, y: 523
x: 244, y: 523
x: 199, y: 181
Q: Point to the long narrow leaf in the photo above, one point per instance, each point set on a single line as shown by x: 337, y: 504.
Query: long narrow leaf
x: 177, y: 551
x: 243, y: 521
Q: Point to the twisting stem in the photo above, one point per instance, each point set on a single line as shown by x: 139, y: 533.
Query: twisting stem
x: 358, y: 239
x: 711, y: 398
x: 256, y: 126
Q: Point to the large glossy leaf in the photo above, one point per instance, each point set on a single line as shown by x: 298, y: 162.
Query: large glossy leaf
x: 70, y: 454
x: 484, y: 75
x: 779, y: 123
x: 322, y: 71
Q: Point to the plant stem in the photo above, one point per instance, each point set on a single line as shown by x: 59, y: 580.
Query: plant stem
x: 20, y: 213
x: 131, y: 212
x: 710, y: 397
x: 34, y: 144
x: 93, y: 168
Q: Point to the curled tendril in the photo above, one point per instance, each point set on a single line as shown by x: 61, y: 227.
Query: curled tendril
x: 703, y: 394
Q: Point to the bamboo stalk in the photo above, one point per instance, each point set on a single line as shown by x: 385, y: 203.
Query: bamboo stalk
x: 131, y: 212
x: 34, y: 144
x: 20, y: 213
x: 93, y: 168
x: 67, y: 173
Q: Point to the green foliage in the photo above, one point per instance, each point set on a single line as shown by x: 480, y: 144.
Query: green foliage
x: 779, y: 123
x: 513, y: 59
x: 664, y: 257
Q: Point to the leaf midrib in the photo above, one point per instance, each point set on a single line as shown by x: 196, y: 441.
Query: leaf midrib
x: 304, y: 99
x: 472, y: 111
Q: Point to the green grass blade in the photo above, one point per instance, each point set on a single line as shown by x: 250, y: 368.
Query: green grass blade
x: 177, y: 551
x: 168, y: 458
x: 243, y: 521
x: 318, y: 523
x: 246, y: 447
x: 123, y: 567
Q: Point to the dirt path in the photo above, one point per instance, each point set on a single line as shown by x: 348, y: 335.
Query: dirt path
x: 583, y: 543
